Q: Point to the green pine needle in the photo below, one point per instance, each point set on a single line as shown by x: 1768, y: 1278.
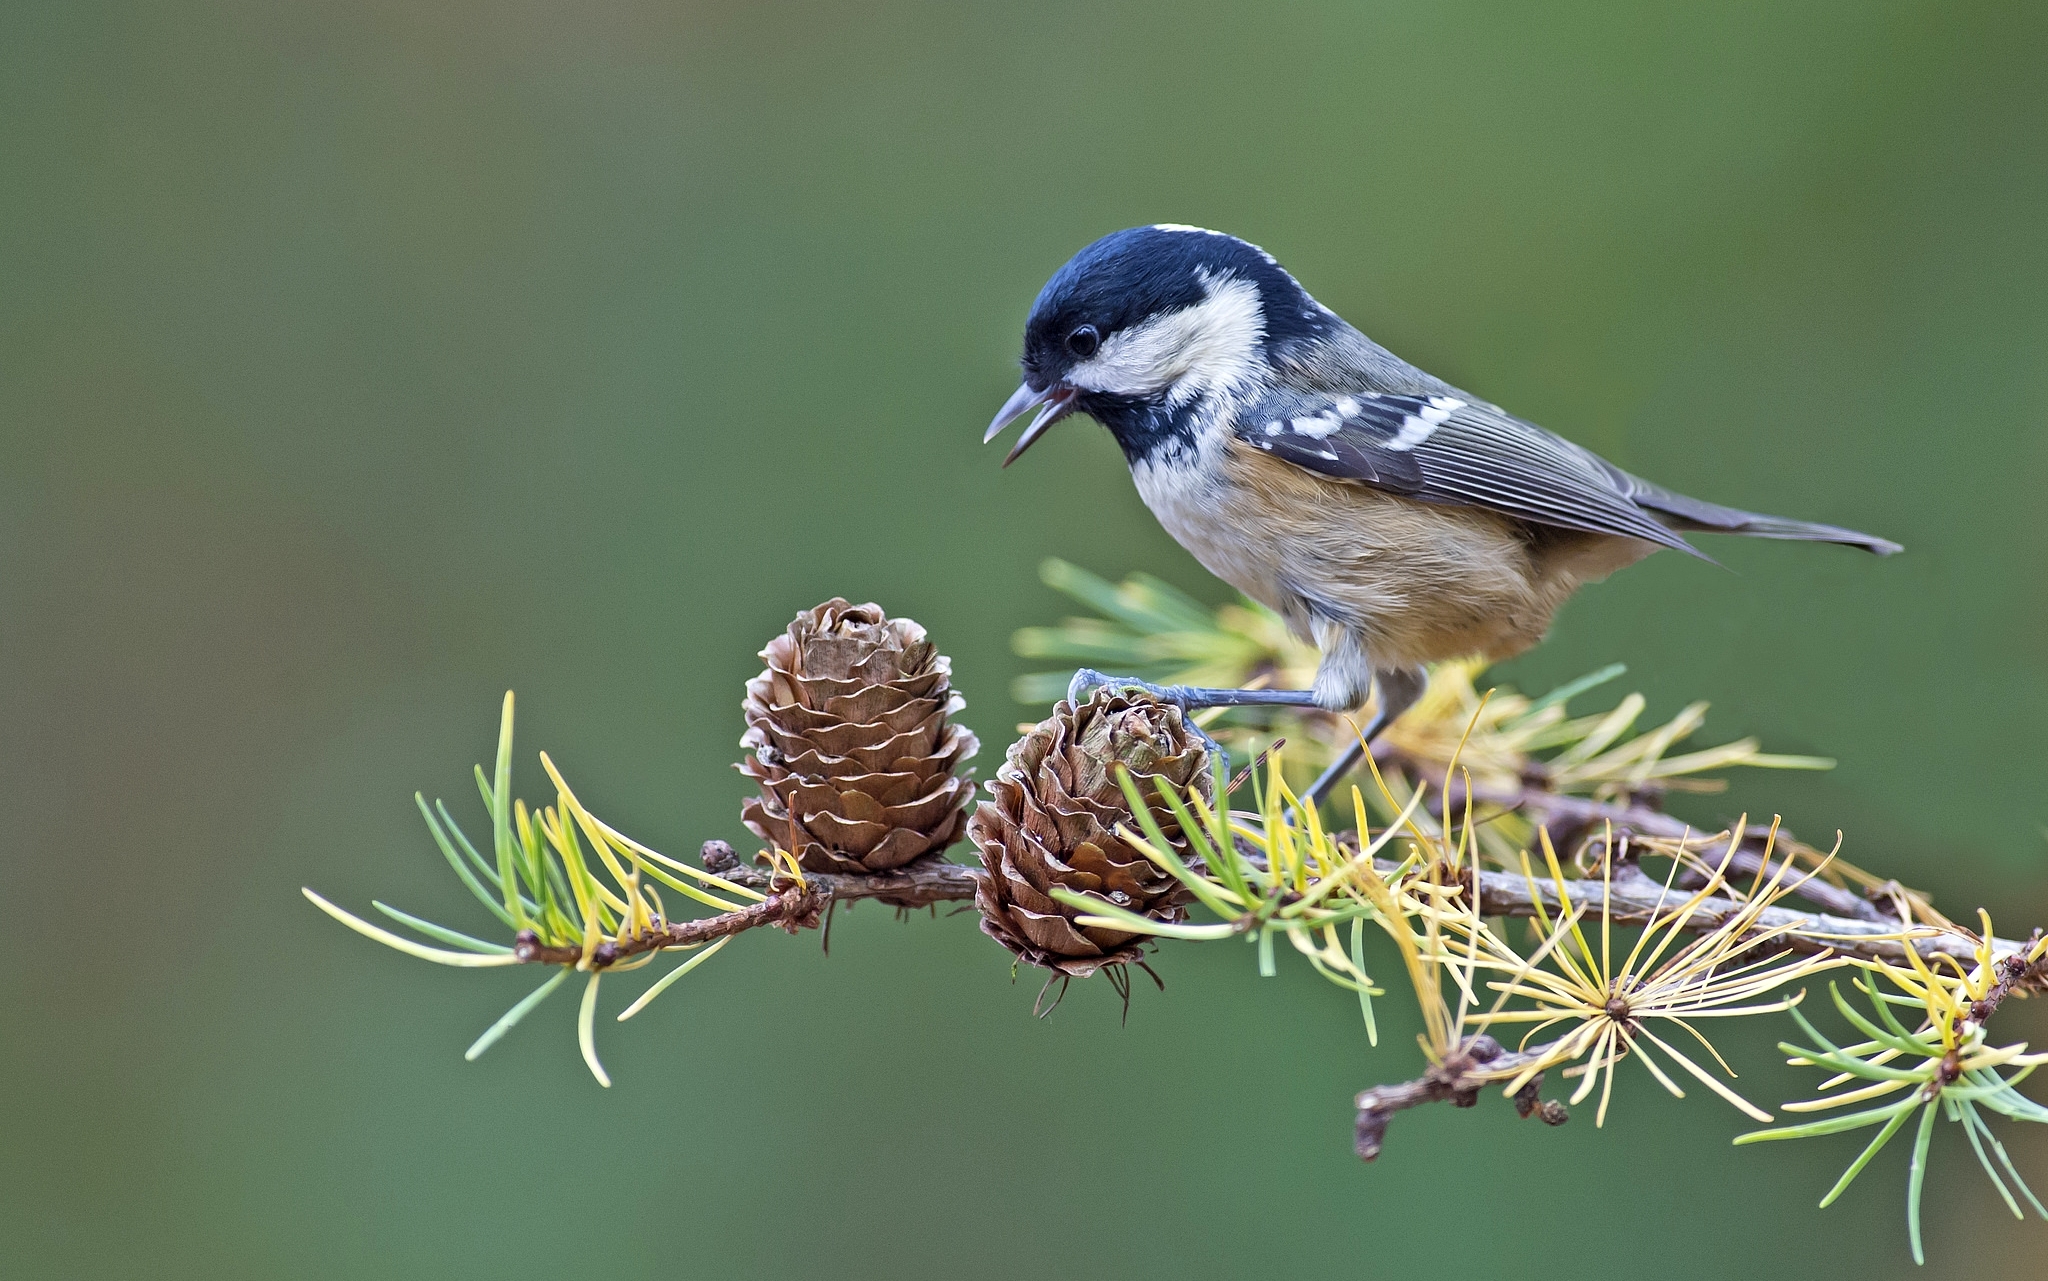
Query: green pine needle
x: 510, y: 1019
x: 1916, y: 1179
x: 440, y: 932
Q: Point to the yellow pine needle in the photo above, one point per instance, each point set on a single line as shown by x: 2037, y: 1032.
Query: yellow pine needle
x: 501, y: 817
x: 1456, y: 856
x: 698, y: 873
x: 1327, y: 959
x: 1630, y: 764
x: 663, y: 983
x: 1339, y: 874
x: 1411, y: 812
x: 1650, y: 748
x: 1610, y: 727
x: 586, y: 1031
x: 1218, y: 897
x: 604, y: 840
x: 1568, y: 1047
x: 642, y: 919
x: 1872, y: 1091
x: 2003, y: 1056
x: 1436, y: 1016
x: 398, y: 942
x: 1649, y: 1061
x: 1606, y: 901
x: 785, y: 864
x: 1567, y: 980
x: 1589, y: 1071
x: 1704, y: 1077
x: 522, y: 824
x: 1578, y: 966
x: 566, y: 803
x: 1515, y: 987
x: 1643, y: 937
x: 581, y: 884
x: 1360, y: 821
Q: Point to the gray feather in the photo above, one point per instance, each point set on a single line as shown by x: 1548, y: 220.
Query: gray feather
x: 1357, y: 412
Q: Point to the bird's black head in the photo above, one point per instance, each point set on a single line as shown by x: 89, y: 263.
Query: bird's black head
x: 1143, y: 323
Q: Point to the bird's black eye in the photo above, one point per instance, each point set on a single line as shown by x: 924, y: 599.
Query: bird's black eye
x: 1083, y: 341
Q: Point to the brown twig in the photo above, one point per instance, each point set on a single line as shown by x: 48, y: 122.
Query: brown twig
x: 1568, y: 817
x: 2010, y: 973
x: 1636, y: 900
x: 1479, y: 1062
x: 792, y: 907
x: 921, y: 884
x: 1632, y: 900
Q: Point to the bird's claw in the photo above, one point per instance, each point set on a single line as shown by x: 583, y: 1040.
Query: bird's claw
x: 1088, y: 680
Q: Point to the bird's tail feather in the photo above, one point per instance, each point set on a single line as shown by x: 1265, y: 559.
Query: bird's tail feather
x: 1687, y: 513
x: 1801, y: 531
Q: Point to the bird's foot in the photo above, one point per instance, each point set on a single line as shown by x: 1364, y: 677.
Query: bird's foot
x: 1187, y: 698
x: 1088, y: 680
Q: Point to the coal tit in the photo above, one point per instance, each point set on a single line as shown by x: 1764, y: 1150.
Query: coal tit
x: 1390, y: 518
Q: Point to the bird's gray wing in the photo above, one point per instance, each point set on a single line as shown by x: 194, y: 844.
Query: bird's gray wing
x: 1443, y: 449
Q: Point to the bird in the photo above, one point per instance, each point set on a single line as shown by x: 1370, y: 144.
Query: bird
x: 1389, y: 518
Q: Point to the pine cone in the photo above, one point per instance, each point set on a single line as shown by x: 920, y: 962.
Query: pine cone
x: 1052, y: 821
x: 852, y: 743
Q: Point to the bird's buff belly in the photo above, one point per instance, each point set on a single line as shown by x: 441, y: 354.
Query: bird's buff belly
x: 1414, y: 582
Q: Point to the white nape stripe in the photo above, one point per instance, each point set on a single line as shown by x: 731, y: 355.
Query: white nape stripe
x: 1184, y: 229
x: 1422, y: 424
x: 1195, y: 350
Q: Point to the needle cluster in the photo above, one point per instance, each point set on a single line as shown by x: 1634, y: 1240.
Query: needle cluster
x: 1510, y: 860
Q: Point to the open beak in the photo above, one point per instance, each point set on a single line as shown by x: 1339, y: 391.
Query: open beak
x: 1052, y: 404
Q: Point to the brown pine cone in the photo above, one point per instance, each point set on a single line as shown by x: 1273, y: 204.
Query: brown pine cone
x: 852, y: 743
x: 1052, y: 818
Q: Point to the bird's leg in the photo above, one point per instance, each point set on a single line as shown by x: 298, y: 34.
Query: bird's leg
x: 1398, y: 690
x: 1190, y: 699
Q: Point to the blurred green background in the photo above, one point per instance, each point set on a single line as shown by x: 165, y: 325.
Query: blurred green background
x: 360, y: 361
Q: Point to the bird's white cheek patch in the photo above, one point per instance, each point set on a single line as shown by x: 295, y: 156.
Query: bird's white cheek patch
x: 1212, y: 344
